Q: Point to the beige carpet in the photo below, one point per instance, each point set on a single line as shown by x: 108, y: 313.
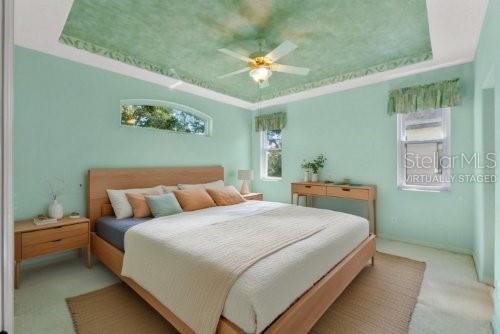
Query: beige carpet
x: 380, y: 300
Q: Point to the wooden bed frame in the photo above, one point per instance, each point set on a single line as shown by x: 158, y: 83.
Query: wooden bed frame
x: 300, y: 317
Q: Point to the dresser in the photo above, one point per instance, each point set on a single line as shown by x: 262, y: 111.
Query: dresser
x: 367, y: 193
x: 32, y: 240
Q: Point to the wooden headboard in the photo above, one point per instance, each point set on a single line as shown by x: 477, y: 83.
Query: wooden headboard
x: 126, y: 178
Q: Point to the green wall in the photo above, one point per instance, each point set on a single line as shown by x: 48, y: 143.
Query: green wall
x: 354, y: 131
x: 67, y: 120
x: 487, y: 80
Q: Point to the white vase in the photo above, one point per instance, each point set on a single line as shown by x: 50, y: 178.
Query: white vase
x: 55, y: 210
x: 314, y: 177
x: 307, y: 176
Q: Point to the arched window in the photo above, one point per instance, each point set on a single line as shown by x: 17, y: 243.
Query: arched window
x: 164, y: 115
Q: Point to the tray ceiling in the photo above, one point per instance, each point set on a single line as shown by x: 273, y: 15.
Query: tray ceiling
x: 338, y: 40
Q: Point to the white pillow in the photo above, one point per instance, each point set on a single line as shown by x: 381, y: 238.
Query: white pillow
x: 210, y: 185
x: 119, y: 201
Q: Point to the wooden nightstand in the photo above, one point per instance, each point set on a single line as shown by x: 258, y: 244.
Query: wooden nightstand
x: 32, y: 240
x: 254, y: 196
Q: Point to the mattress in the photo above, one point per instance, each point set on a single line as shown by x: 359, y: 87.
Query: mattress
x: 113, y: 230
x: 270, y: 286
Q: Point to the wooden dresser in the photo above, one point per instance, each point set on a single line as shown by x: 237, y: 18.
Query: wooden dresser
x: 32, y: 240
x: 366, y: 193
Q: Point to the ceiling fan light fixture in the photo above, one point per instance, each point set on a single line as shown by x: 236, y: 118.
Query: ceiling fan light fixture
x: 261, y: 73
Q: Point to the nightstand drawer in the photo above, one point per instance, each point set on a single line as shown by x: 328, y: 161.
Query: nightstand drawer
x: 55, y: 245
x: 54, y: 233
x: 306, y: 189
x: 347, y: 192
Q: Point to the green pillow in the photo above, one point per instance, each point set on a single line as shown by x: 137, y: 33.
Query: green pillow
x: 163, y: 205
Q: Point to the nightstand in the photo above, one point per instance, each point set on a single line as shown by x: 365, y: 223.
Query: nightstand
x: 254, y: 196
x: 32, y: 240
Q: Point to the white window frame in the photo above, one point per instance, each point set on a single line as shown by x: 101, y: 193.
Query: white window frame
x: 264, y: 149
x: 181, y: 107
x: 401, y: 142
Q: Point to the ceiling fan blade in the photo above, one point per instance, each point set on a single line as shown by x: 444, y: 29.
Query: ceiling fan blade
x: 264, y: 84
x: 282, y: 50
x: 246, y: 69
x: 235, y: 55
x: 290, y: 69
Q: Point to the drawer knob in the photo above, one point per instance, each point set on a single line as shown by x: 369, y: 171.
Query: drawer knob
x: 308, y: 186
x: 346, y: 189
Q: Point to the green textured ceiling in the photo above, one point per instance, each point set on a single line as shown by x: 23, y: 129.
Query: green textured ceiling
x: 337, y: 39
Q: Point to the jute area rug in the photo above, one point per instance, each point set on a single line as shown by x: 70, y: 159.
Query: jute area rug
x: 381, y: 299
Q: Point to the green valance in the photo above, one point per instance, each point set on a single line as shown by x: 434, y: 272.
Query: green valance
x: 276, y: 121
x: 434, y: 96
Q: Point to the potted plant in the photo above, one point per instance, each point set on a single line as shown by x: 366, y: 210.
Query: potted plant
x: 307, y: 165
x: 314, y: 167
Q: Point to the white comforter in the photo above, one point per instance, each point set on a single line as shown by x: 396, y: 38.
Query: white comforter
x: 271, y: 285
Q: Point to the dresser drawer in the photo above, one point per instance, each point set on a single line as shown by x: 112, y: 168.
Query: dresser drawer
x: 54, y: 233
x: 304, y: 189
x: 346, y: 192
x: 55, y: 246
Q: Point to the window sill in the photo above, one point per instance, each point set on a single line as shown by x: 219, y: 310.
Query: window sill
x: 437, y: 189
x: 272, y: 179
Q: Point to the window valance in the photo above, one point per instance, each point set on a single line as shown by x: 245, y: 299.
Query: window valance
x: 275, y: 121
x: 434, y: 96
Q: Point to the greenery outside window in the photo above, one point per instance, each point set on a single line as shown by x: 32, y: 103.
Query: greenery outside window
x: 164, y: 115
x: 271, y: 145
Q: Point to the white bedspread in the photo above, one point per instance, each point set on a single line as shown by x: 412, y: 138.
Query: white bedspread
x: 269, y: 286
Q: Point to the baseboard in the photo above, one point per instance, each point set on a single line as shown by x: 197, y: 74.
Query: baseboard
x: 481, y: 277
x: 48, y: 259
x: 495, y: 319
x: 452, y: 249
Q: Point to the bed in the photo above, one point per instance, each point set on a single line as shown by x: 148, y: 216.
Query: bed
x: 286, y: 292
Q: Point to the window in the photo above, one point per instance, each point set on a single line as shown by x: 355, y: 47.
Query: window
x: 424, y: 150
x: 271, y: 155
x: 164, y: 116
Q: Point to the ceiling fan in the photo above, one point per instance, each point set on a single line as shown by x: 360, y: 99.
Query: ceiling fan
x: 261, y: 66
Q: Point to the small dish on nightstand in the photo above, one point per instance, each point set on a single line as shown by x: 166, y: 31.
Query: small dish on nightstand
x: 74, y: 215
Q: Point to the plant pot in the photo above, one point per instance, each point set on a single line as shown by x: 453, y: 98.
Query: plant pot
x: 315, y: 177
x: 55, y: 210
x: 307, y: 176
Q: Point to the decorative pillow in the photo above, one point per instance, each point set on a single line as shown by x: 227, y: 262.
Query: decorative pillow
x: 169, y: 189
x: 210, y: 185
x: 138, y: 203
x: 194, y: 199
x: 163, y: 205
x: 120, y: 204
x: 226, y: 196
